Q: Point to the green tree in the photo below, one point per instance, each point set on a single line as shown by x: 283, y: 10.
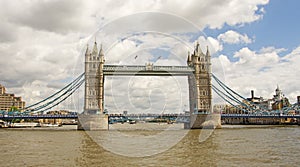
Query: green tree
x: 14, y: 108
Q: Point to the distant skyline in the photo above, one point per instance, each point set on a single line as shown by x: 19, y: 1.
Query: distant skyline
x: 255, y: 45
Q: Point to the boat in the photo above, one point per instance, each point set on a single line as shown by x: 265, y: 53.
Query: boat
x: 3, y: 124
x: 50, y: 125
x: 131, y: 121
x: 24, y: 125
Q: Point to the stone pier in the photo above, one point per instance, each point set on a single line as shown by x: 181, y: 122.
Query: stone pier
x: 93, y: 122
x: 200, y: 121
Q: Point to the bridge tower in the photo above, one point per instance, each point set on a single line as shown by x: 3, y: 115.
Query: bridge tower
x: 200, y: 88
x: 94, y: 80
x: 200, y: 91
x: 93, y: 117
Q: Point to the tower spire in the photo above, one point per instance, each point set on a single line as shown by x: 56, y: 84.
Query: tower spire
x: 95, y: 49
x: 198, y: 49
x: 101, y: 54
x: 189, y: 59
x: 87, y: 49
x: 207, y: 51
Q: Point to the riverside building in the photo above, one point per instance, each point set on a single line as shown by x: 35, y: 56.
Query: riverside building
x: 8, y: 100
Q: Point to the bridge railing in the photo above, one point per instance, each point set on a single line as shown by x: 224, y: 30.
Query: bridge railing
x: 144, y: 68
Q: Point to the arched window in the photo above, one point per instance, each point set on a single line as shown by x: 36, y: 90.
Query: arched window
x: 201, y: 104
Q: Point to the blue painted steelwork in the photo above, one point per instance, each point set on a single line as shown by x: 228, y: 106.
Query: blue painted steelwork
x: 26, y: 117
x: 149, y: 69
x: 258, y: 116
x: 174, y: 116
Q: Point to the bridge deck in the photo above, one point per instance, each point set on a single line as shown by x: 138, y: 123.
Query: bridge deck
x: 11, y: 117
x: 147, y: 70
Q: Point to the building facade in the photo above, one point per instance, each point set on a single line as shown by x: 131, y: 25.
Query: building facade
x: 8, y: 101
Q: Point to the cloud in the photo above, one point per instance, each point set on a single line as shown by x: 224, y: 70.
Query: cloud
x: 65, y: 16
x: 272, y: 49
x: 148, y: 94
x: 42, y: 41
x: 261, y: 71
x: 54, y: 16
x: 213, y: 45
x: 233, y: 37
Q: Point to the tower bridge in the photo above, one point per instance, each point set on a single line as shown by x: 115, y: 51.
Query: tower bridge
x: 198, y: 72
x: 199, y: 75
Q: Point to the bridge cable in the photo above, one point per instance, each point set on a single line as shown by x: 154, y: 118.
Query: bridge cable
x: 220, y: 92
x: 232, y: 96
x: 76, y: 88
x: 74, y: 81
x: 252, y: 103
x: 54, y: 100
x: 226, y: 99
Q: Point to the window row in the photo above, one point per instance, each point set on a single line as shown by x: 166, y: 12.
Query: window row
x: 93, y: 92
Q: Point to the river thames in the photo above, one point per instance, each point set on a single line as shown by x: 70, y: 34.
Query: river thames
x: 229, y: 146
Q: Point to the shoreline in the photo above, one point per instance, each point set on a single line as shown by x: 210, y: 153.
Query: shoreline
x: 139, y: 126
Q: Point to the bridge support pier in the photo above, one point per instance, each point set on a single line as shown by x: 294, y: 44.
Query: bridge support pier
x: 92, y: 122
x: 200, y: 121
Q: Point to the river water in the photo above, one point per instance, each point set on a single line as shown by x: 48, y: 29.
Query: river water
x: 229, y: 146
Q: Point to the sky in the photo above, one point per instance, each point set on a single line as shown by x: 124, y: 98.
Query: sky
x: 254, y: 45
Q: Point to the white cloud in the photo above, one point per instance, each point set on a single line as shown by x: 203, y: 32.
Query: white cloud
x: 42, y: 41
x: 272, y: 49
x: 262, y: 72
x: 233, y: 37
x: 213, y: 45
x: 148, y: 94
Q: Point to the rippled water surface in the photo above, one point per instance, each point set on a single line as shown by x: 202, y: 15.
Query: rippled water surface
x: 230, y: 146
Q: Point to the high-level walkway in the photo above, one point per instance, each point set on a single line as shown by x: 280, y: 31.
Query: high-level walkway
x: 147, y: 70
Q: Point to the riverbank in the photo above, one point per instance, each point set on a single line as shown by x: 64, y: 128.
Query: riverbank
x: 146, y: 127
x: 63, y: 127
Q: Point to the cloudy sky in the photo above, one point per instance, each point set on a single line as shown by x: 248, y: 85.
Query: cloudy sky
x: 254, y: 45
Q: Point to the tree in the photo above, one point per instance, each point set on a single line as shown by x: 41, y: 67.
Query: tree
x: 14, y: 108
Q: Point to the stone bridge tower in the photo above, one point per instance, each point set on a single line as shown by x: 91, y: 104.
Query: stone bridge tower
x: 200, y: 83
x: 200, y: 87
x: 94, y: 80
x: 93, y: 117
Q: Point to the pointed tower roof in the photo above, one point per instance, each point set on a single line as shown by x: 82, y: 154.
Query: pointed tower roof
x: 101, y: 54
x: 277, y: 89
x: 189, y: 59
x: 198, y: 48
x: 207, y: 51
x: 101, y: 51
x: 87, y: 50
x: 95, y: 49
